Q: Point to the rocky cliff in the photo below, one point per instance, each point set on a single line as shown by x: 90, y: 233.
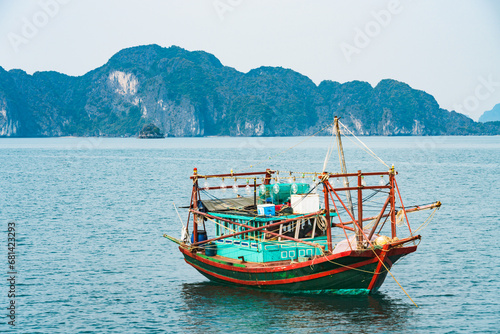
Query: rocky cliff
x: 192, y: 94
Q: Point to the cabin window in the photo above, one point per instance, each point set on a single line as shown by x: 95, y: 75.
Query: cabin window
x: 288, y: 229
x: 308, y: 228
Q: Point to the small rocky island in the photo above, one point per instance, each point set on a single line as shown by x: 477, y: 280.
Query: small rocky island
x: 151, y: 131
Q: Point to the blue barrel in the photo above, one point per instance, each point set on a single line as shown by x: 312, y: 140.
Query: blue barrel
x: 202, y: 236
x: 211, y: 249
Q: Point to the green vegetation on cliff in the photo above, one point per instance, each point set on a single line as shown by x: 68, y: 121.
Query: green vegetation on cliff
x: 192, y: 94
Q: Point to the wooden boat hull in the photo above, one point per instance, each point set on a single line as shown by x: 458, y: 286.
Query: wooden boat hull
x: 351, y: 272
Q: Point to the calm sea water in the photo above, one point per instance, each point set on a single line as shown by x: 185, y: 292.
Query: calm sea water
x: 90, y: 214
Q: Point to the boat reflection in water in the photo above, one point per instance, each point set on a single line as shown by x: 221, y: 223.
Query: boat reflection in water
x: 211, y: 307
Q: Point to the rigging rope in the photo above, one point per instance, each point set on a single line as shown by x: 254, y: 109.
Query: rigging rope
x: 364, y: 147
x: 223, y: 203
x: 288, y: 149
x: 345, y: 266
x: 330, y: 149
x: 394, y: 277
x: 427, y: 221
x: 178, y: 214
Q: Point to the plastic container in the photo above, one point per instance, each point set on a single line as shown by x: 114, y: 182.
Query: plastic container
x: 267, y: 210
x: 202, y: 236
x: 305, y: 203
x: 211, y: 249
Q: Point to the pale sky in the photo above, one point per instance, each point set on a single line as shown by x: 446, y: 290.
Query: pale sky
x: 449, y: 48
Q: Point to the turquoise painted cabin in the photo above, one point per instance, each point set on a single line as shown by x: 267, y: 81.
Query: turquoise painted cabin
x: 260, y: 247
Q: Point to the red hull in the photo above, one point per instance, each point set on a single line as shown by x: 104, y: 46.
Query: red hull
x: 344, y: 272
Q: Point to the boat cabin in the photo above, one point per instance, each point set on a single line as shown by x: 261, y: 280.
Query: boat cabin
x: 271, y: 204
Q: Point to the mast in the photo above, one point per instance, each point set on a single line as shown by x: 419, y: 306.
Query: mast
x: 359, y: 234
x: 392, y: 197
x: 343, y: 168
x: 194, y: 205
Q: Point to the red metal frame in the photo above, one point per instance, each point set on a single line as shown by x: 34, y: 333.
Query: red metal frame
x: 251, y: 229
x: 327, y: 216
x: 196, y: 176
x: 328, y: 191
x: 403, y: 206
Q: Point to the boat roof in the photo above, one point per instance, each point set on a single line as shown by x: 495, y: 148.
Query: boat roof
x: 228, y: 204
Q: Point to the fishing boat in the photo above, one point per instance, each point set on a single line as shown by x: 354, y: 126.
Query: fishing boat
x: 298, y: 231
